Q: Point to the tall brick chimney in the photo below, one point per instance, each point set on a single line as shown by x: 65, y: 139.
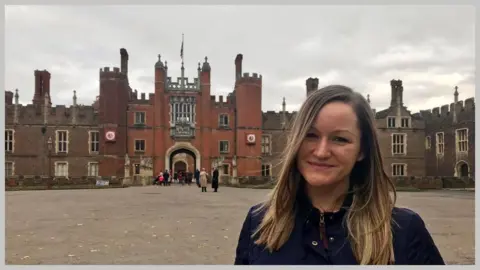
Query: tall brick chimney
x: 124, y: 61
x: 238, y: 66
x: 42, y: 87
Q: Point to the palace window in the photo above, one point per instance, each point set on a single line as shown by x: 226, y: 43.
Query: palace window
x: 94, y: 141
x: 440, y: 143
x: 224, y: 147
x: 139, y: 145
x: 399, y: 169
x: 266, y: 144
x: 61, y: 168
x: 399, y: 142
x: 462, y: 140
x: 62, y: 141
x: 225, y: 169
x: 266, y: 169
x: 9, y: 141
x: 9, y: 171
x: 405, y: 122
x: 391, y: 122
x: 139, y: 118
x: 223, y: 120
x: 93, y: 169
x: 182, y: 110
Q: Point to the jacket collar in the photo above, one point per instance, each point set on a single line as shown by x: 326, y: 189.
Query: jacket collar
x: 307, y: 212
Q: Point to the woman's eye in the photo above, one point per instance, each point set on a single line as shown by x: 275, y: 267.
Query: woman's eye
x: 340, y: 139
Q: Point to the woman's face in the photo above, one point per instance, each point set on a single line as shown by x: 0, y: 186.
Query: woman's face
x: 331, y: 147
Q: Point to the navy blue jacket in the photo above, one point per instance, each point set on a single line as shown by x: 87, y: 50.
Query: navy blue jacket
x: 412, y: 243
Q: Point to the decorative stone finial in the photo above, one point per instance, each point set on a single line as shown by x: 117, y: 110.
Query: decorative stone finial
x: 456, y: 91
x: 159, y: 58
x: 368, y: 98
x: 206, y: 59
x: 198, y: 65
x: 74, y: 97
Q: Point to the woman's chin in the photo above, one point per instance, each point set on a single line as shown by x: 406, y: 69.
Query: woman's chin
x: 318, y: 181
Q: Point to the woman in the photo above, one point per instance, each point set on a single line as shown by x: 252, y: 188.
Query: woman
x: 203, y: 180
x: 332, y: 203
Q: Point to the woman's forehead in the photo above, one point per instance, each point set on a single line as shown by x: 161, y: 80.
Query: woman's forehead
x: 336, y: 116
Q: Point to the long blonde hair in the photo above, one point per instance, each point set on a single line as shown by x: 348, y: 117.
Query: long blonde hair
x: 369, y: 218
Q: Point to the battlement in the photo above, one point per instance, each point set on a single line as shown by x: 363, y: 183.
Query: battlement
x: 445, y: 110
x: 108, y: 73
x: 187, y: 86
x: 144, y: 99
x: 59, y: 115
x: 221, y: 102
x: 247, y: 75
x: 273, y: 120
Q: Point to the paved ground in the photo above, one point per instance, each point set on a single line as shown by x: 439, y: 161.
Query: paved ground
x: 179, y: 225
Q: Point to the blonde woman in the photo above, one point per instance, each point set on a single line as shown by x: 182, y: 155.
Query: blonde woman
x: 333, y: 202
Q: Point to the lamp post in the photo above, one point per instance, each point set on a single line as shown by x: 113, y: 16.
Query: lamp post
x: 49, y: 144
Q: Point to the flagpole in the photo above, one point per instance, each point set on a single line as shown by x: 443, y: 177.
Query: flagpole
x: 183, y: 69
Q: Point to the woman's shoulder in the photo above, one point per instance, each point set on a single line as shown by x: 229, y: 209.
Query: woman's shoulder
x: 412, y: 240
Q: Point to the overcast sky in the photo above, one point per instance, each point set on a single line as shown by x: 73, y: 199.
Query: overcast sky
x: 430, y: 48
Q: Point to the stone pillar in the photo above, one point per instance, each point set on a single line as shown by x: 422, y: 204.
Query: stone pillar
x: 234, y: 171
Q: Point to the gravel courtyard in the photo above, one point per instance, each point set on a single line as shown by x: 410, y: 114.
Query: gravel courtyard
x: 180, y: 225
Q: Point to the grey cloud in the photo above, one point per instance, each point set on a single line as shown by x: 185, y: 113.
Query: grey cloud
x: 284, y: 44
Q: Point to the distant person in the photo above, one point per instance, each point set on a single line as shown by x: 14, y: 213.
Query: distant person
x: 333, y: 203
x: 197, y: 177
x: 215, y: 180
x: 166, y: 177
x: 203, y: 180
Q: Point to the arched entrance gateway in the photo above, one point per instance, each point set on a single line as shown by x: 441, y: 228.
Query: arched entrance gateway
x: 462, y: 169
x: 182, y: 156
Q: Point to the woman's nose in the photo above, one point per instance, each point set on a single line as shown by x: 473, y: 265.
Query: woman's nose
x: 322, y: 149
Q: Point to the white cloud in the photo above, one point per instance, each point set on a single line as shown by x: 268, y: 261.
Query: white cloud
x: 430, y: 48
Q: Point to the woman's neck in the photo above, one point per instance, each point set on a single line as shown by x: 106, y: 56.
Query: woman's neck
x: 328, y: 198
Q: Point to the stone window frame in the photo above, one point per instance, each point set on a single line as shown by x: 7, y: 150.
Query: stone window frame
x: 56, y: 168
x: 392, y: 142
x: 220, y: 146
x: 221, y: 123
x: 428, y: 142
x: 394, y: 121
x: 13, y: 140
x: 228, y: 169
x: 405, y: 167
x: 269, y: 169
x: 458, y: 142
x: 269, y: 153
x: 90, y: 142
x: 57, y: 141
x: 144, y: 117
x: 89, y: 164
x: 135, y: 146
x: 438, y: 144
x: 12, y: 169
x: 408, y: 120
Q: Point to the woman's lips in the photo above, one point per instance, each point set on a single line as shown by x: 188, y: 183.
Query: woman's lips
x: 320, y: 166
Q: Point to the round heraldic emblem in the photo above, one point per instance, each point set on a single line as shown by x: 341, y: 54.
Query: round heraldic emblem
x: 110, y: 135
x: 251, y: 138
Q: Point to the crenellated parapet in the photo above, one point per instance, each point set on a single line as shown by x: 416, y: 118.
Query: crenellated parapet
x: 273, y: 120
x: 461, y: 107
x: 250, y: 78
x: 58, y: 115
x: 114, y: 73
x: 144, y: 99
x: 182, y: 84
x: 221, y: 102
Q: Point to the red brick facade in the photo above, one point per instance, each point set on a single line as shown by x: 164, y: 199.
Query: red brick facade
x: 233, y: 133
x: 122, y: 128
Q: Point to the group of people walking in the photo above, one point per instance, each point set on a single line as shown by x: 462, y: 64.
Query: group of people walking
x: 201, y: 178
